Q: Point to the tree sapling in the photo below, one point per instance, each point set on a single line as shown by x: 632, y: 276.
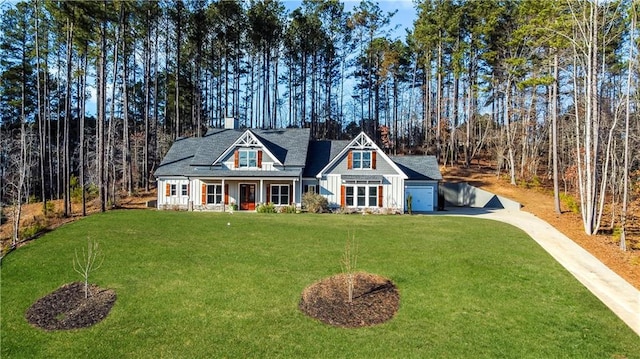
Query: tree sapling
x: 90, y: 261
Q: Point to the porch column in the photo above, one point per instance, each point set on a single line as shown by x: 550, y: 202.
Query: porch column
x: 293, y: 195
x: 262, y: 190
x: 224, y: 205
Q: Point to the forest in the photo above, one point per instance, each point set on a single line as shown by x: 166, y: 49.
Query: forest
x: 93, y: 93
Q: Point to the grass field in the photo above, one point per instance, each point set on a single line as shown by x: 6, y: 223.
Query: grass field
x: 191, y: 286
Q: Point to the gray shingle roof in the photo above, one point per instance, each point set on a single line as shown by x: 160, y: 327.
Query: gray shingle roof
x: 178, y: 158
x: 289, y: 145
x: 194, y: 156
x: 213, y: 144
x: 419, y: 167
x: 320, y: 154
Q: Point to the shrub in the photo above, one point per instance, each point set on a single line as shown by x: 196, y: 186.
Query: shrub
x: 90, y: 193
x: 570, y: 203
x: 314, y: 203
x: 536, y: 182
x: 50, y: 210
x: 39, y: 224
x: 287, y: 209
x: 266, y: 208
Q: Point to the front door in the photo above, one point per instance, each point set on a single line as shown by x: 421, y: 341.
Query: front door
x: 247, y: 197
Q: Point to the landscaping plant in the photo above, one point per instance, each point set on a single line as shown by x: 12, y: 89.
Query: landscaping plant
x: 349, y: 262
x: 89, y: 261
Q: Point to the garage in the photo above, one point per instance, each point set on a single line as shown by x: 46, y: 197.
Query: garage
x: 422, y: 198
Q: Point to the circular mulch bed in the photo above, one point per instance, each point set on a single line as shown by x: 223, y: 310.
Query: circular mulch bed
x: 67, y: 307
x: 375, y: 300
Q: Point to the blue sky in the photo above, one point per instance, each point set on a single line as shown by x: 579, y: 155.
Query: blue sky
x: 403, y: 19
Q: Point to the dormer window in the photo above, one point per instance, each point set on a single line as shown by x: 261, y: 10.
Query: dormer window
x: 248, y: 158
x: 361, y: 160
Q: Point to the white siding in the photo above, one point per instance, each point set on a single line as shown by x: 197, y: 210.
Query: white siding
x: 393, y: 191
x: 177, y: 199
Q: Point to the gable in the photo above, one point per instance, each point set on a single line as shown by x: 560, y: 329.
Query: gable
x: 284, y: 147
x: 361, y: 156
x: 247, y: 141
x: 188, y: 156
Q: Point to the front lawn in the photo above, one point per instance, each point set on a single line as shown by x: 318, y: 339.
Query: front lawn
x: 191, y: 286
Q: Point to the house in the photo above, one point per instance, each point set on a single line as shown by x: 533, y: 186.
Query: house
x: 231, y: 168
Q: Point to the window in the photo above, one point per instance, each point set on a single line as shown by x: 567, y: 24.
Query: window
x: 310, y: 188
x: 214, y: 194
x: 349, y: 196
x: 280, y: 194
x: 373, y: 196
x: 361, y: 159
x: 247, y: 158
x: 185, y: 190
x: 362, y: 199
x: 174, y: 190
x: 361, y: 196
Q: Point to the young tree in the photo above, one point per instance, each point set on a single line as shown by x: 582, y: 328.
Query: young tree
x: 87, y: 262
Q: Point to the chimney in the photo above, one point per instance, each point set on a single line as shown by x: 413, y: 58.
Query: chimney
x: 231, y: 123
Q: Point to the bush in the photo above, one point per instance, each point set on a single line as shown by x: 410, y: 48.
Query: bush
x: 287, y: 209
x: 50, y: 210
x: 570, y: 203
x: 266, y: 208
x: 39, y: 224
x: 536, y: 182
x: 315, y: 203
x: 91, y: 190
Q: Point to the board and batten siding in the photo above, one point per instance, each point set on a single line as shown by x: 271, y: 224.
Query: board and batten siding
x: 392, y: 190
x: 165, y: 198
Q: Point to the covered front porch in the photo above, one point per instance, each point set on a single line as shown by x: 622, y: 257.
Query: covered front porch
x: 246, y: 193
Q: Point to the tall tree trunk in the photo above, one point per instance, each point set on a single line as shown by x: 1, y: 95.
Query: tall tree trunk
x: 554, y: 135
x: 507, y: 121
x: 83, y: 100
x: 40, y: 112
x: 438, y: 116
x: 127, y: 177
x: 147, y: 104
x: 587, y: 164
x: 177, y: 68
x: 627, y: 120
x: 67, y: 123
x: 101, y: 108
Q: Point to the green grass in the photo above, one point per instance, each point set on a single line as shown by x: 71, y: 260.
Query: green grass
x: 189, y: 286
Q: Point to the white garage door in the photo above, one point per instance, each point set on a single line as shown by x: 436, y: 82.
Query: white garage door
x: 421, y: 198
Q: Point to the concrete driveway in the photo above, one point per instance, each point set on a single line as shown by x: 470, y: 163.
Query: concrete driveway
x: 616, y: 293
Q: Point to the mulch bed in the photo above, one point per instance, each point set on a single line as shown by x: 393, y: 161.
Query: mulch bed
x: 375, y: 300
x: 67, y: 307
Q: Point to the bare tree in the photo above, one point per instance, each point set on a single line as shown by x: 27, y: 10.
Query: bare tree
x: 625, y: 191
x: 90, y: 260
x: 349, y: 262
